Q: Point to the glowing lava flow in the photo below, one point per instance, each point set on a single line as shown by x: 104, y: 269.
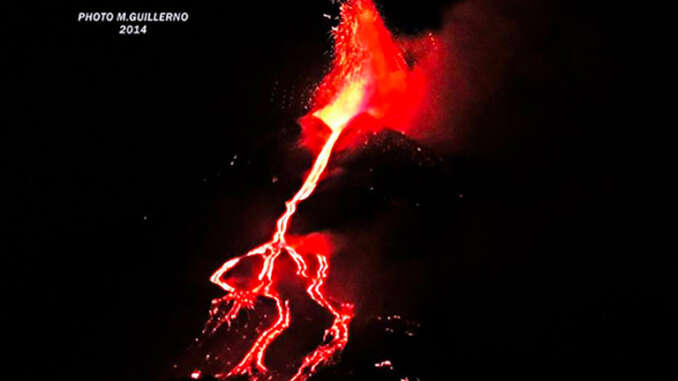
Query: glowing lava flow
x: 270, y: 251
x: 369, y: 87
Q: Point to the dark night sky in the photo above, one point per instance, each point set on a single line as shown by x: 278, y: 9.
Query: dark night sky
x: 519, y: 247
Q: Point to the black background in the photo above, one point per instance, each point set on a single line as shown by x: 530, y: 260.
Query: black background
x: 522, y: 250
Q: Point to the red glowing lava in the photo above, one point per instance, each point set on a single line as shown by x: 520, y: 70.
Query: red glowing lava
x: 370, y: 87
x: 237, y: 298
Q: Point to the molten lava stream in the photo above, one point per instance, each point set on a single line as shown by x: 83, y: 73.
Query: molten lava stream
x: 237, y: 299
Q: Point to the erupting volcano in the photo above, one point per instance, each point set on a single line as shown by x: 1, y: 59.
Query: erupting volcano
x: 371, y: 86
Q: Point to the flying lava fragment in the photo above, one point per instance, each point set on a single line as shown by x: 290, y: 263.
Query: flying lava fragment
x: 370, y: 86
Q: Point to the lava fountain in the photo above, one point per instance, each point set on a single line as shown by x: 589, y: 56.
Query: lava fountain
x: 370, y: 87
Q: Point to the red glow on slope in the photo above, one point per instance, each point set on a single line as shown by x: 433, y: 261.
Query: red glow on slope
x: 370, y: 87
x: 370, y: 78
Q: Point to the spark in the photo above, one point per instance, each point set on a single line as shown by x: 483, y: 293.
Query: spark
x: 384, y: 364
